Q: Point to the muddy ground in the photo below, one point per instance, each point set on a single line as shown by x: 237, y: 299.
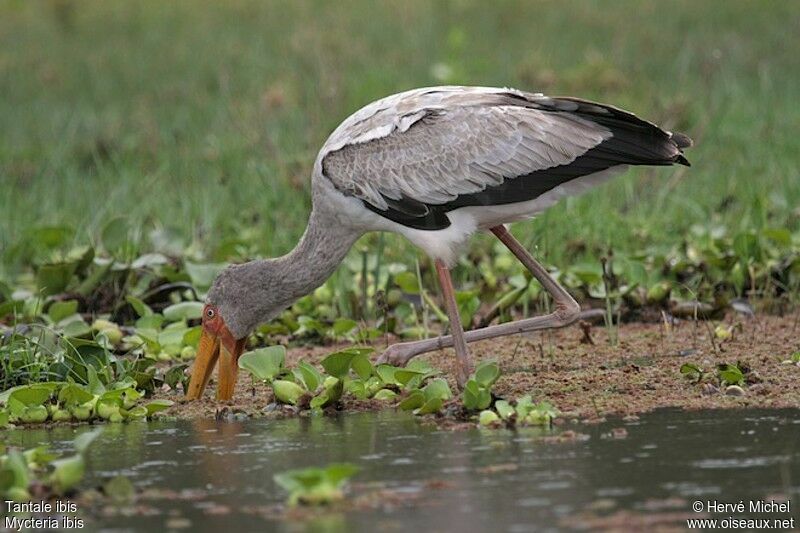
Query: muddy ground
x: 591, y: 380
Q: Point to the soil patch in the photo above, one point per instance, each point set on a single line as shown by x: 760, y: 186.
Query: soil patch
x: 641, y: 372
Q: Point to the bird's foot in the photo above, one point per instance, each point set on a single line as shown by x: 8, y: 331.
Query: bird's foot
x: 398, y: 354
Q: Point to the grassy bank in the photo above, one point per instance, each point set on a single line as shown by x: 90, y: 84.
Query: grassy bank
x: 202, y: 120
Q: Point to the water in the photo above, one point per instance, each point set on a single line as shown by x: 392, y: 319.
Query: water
x: 473, y: 480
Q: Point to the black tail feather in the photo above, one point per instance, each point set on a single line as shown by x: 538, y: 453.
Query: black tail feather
x: 635, y: 141
x: 632, y: 141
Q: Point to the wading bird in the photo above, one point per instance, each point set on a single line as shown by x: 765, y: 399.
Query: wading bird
x: 434, y: 165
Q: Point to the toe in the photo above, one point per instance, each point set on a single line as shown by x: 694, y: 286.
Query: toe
x: 393, y: 355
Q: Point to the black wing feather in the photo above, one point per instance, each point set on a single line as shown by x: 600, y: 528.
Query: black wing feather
x: 633, y: 141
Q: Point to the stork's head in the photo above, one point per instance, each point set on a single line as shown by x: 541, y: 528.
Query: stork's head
x: 217, y: 343
x: 241, y: 297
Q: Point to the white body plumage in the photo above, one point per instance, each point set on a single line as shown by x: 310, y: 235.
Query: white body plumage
x: 407, y: 163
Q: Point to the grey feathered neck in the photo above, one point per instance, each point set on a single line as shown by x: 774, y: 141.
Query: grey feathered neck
x: 250, y: 294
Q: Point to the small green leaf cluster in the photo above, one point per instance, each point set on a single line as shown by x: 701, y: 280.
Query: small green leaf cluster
x: 20, y: 470
x: 478, y: 396
x: 477, y: 393
x: 71, y: 402
x: 169, y: 335
x: 316, y: 486
x: 729, y: 374
x: 347, y: 371
x: 726, y: 374
x: 692, y: 372
x: 522, y: 412
x: 69, y: 280
x: 303, y: 386
x: 416, y: 388
x: 147, y: 304
x: 38, y: 353
x: 428, y: 399
x: 305, y: 320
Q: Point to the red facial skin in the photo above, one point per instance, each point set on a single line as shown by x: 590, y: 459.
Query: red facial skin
x: 214, y: 325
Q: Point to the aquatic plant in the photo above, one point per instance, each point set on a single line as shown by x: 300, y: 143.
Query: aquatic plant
x: 477, y: 393
x: 147, y: 305
x: 316, y: 486
x: 61, y: 401
x: 37, y: 467
x: 692, y: 372
x: 112, y: 312
x: 350, y: 371
x: 265, y: 364
x: 520, y: 412
x: 729, y: 374
x: 428, y: 399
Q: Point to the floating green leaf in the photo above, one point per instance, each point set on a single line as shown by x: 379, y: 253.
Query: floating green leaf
x: 362, y: 366
x: 15, y: 473
x: 31, y: 394
x: 524, y: 406
x: 488, y: 418
x: 338, y: 364
x: 730, y: 374
x: 287, y: 391
x: 432, y: 405
x: 264, y: 364
x: 157, y: 406
x: 119, y: 489
x: 692, y: 372
x: 67, y: 473
x: 542, y: 414
x: 386, y: 395
x: 72, y: 394
x: 486, y: 373
x: 437, y: 388
x: 414, y: 400
x: 316, y: 486
x: 331, y: 393
x: 309, y: 375
x: 504, y: 409
x: 476, y: 397
x: 387, y: 374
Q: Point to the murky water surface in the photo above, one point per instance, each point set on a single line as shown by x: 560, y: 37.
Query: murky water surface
x: 472, y: 480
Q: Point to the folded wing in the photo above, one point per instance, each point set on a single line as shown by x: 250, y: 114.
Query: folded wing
x: 417, y: 155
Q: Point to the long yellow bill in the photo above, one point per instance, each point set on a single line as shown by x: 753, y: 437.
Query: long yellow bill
x: 209, y: 351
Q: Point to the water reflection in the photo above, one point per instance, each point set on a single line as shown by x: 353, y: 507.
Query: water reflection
x: 492, y: 480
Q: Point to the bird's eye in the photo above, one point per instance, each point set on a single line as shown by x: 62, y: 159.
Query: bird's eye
x: 210, y: 313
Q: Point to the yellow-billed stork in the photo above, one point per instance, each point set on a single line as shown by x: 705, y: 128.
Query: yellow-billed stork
x: 434, y: 165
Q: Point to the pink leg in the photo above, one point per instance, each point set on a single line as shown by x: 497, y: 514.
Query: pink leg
x: 566, y: 312
x: 463, y: 360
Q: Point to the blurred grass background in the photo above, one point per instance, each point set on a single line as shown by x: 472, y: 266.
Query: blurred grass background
x: 202, y: 119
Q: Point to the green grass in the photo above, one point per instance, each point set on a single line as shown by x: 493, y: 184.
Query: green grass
x: 204, y: 118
